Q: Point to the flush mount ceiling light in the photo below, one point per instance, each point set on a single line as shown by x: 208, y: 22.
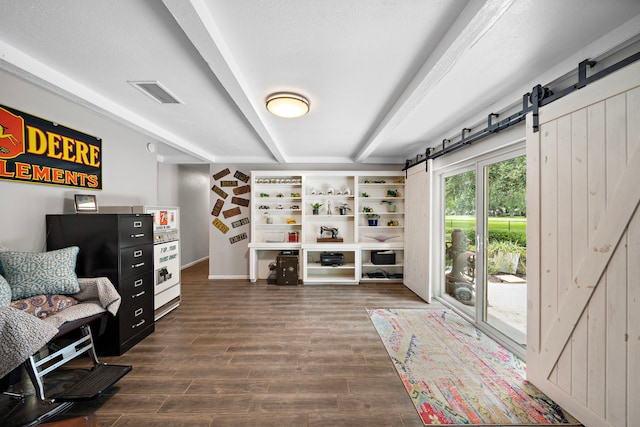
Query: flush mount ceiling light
x: 289, y: 105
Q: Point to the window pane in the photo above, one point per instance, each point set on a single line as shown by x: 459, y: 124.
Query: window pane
x: 460, y: 237
x: 506, y: 305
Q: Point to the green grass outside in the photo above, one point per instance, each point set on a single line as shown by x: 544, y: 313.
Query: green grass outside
x: 465, y: 222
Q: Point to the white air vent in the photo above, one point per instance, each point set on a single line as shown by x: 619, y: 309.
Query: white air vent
x: 156, y: 91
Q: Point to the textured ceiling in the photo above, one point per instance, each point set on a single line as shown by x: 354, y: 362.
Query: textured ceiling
x: 385, y: 78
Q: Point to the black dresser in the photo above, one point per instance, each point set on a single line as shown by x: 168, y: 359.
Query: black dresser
x: 120, y: 247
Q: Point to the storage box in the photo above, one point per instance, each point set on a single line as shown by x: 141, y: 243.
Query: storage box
x: 383, y: 257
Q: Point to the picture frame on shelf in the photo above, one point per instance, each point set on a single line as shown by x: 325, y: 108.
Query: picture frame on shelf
x: 85, y: 203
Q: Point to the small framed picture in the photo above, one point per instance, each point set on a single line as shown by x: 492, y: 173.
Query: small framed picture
x: 86, y: 203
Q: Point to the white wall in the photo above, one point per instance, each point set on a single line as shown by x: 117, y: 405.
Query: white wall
x: 129, y: 172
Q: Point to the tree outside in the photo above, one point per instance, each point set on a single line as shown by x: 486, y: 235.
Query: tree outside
x: 506, y: 223
x: 507, y: 190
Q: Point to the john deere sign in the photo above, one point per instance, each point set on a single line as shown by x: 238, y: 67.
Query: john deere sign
x: 39, y: 151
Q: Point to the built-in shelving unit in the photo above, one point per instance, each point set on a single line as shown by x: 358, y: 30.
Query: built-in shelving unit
x: 283, y: 218
x: 316, y: 273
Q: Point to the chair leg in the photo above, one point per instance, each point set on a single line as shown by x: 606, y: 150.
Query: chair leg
x: 38, y: 367
x: 86, y: 331
x: 31, y: 366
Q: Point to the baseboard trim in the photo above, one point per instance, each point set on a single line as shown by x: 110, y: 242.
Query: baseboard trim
x: 228, y: 277
x: 194, y: 263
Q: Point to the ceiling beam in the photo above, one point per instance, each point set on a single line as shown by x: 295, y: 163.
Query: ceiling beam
x: 195, y: 19
x: 474, y: 21
x: 19, y: 63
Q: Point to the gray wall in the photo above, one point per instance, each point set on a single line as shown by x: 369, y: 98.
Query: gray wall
x: 129, y: 172
x: 191, y: 194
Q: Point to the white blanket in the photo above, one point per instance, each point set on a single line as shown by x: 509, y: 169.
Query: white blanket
x: 96, y: 295
x: 22, y: 334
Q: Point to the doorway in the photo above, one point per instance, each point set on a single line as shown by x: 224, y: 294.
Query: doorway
x: 484, y: 245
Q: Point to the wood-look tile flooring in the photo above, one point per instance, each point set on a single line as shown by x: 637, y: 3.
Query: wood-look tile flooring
x: 237, y: 353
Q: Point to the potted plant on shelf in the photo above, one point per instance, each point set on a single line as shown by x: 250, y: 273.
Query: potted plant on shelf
x: 391, y: 205
x: 373, y: 218
x: 343, y: 208
x: 316, y: 208
x: 393, y: 193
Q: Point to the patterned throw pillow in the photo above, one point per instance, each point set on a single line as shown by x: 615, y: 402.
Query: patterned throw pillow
x: 43, y: 306
x: 5, y: 292
x: 32, y: 274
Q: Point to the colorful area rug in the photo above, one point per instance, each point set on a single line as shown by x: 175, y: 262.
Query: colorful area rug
x: 456, y: 375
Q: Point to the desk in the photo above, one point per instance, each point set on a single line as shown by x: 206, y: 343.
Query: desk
x: 262, y: 254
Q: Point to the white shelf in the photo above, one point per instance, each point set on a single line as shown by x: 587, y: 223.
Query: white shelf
x: 380, y: 279
x: 317, y: 266
x: 272, y: 246
x: 329, y: 216
x: 382, y: 213
x: 357, y: 236
x: 370, y: 264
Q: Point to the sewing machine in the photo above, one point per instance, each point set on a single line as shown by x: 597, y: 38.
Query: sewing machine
x: 325, y: 231
x: 332, y: 230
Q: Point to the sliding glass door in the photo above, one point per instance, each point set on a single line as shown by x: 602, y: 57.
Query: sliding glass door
x: 505, y: 222
x: 484, y: 244
x: 460, y: 243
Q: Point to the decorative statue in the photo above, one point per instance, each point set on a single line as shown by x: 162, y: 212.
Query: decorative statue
x: 460, y: 281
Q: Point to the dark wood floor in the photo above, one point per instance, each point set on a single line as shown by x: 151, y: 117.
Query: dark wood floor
x: 237, y: 353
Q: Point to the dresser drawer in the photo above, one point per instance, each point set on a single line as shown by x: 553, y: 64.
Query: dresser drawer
x: 135, y: 317
x: 135, y: 230
x: 136, y: 260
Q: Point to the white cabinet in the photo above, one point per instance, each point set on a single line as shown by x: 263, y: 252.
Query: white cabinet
x: 276, y: 209
x: 374, y: 270
x: 316, y: 273
x: 381, y: 225
x: 381, y: 209
x: 284, y: 218
x: 336, y: 213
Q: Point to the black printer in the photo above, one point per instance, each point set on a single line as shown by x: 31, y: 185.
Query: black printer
x: 331, y: 258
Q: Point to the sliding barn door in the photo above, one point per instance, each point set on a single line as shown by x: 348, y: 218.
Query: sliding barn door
x: 418, y: 219
x: 583, y: 259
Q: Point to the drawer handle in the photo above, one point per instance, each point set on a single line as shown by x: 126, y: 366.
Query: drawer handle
x: 140, y: 323
x: 137, y: 224
x: 140, y: 264
x: 137, y: 254
x: 137, y: 283
x: 139, y: 294
x: 138, y: 312
x: 137, y: 236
